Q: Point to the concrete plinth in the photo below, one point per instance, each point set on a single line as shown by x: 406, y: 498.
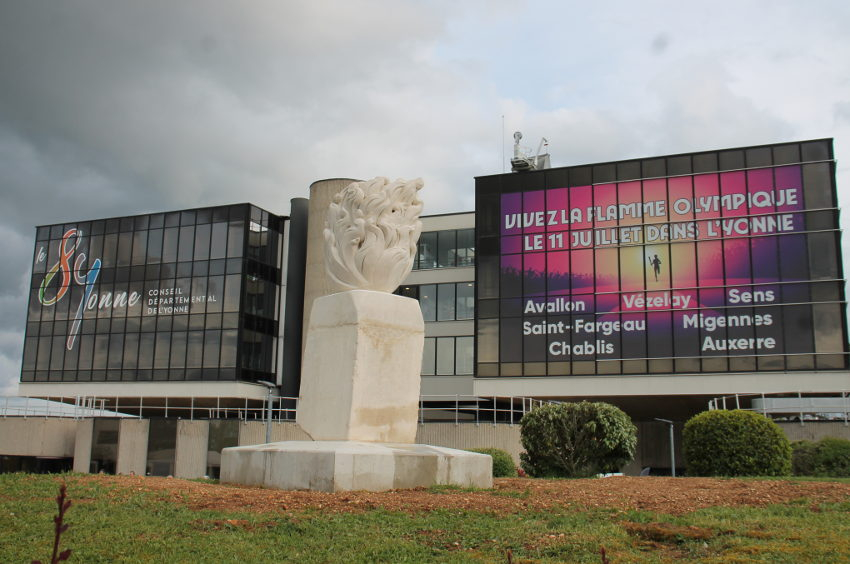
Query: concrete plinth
x: 360, y: 378
x: 334, y: 466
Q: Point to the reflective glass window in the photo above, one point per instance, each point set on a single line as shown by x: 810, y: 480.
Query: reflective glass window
x: 229, y: 341
x: 218, y: 243
x: 465, y: 300
x: 428, y: 301
x: 186, y: 243
x: 202, y: 242
x: 212, y: 347
x: 125, y: 248
x: 445, y: 355
x: 194, y: 349
x: 445, y: 302
x: 466, y: 247
x: 427, y: 255
x: 169, y: 244
x: 231, y: 292
x: 236, y: 232
x: 446, y: 249
x: 429, y: 356
x: 154, y: 250
x: 464, y: 351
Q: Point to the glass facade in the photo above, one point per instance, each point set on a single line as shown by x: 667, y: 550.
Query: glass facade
x: 712, y: 262
x: 448, y: 356
x: 450, y: 248
x: 443, y: 302
x: 186, y: 295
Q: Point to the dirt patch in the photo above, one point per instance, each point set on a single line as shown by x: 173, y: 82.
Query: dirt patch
x: 510, y: 495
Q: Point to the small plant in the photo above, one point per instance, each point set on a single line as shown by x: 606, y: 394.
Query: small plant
x: 735, y: 443
x: 503, y: 464
x: 576, y: 439
x: 59, y: 528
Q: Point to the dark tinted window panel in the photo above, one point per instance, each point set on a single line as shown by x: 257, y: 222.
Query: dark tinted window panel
x: 629, y: 170
x: 731, y: 160
x: 758, y: 156
x: 817, y: 181
x: 786, y: 154
x: 816, y: 151
x: 581, y: 176
x: 823, y: 256
x: 679, y: 165
x: 604, y: 173
x: 705, y: 162
x: 654, y: 168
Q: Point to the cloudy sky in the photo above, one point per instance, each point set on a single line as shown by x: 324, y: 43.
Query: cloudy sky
x: 116, y: 108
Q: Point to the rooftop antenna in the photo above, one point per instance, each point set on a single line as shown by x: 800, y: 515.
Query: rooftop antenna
x: 523, y: 161
x: 503, y: 143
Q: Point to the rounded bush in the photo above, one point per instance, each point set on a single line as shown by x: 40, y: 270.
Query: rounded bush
x: 576, y: 439
x: 735, y: 443
x: 828, y: 457
x: 503, y: 464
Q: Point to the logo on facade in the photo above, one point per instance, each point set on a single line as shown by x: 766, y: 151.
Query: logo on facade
x: 67, y: 248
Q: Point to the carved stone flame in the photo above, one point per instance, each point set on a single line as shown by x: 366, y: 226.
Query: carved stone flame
x: 371, y: 232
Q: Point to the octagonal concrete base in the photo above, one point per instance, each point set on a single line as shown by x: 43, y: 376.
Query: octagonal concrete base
x: 333, y: 466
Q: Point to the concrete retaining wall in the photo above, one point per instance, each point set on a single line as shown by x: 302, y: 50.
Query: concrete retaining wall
x: 190, y: 455
x: 132, y: 446
x: 469, y: 435
x: 815, y: 430
x: 83, y: 439
x: 35, y: 436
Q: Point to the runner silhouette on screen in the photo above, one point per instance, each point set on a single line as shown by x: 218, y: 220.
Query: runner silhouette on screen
x: 655, y: 262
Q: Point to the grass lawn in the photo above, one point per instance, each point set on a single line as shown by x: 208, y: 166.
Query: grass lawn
x: 115, y: 523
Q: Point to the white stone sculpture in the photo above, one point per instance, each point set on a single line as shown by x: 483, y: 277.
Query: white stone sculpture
x: 371, y: 233
x: 360, y: 375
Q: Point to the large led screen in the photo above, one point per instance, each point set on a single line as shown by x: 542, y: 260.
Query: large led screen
x: 718, y: 271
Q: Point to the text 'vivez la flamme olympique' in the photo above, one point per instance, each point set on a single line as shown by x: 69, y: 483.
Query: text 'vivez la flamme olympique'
x: 655, y: 284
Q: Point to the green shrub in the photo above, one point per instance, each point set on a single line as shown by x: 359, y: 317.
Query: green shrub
x: 827, y: 457
x: 576, y: 439
x: 803, y: 458
x: 735, y: 443
x: 503, y: 464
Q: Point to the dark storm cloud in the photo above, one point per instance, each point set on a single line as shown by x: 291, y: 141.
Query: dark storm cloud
x: 115, y: 107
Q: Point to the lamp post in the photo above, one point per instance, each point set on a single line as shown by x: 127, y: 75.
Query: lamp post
x: 270, y: 387
x: 672, y: 447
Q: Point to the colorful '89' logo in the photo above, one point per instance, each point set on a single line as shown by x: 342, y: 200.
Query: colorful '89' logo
x: 67, y: 248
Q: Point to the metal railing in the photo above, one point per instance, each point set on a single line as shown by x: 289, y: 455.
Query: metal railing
x: 799, y: 406
x: 74, y: 408
x: 474, y: 409
x: 455, y: 409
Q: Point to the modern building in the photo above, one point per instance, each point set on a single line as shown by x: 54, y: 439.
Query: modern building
x: 157, y: 305
x: 660, y: 283
x: 655, y: 284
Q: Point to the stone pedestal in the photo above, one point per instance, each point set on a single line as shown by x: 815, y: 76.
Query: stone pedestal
x: 359, y: 400
x: 361, y: 371
x: 334, y: 466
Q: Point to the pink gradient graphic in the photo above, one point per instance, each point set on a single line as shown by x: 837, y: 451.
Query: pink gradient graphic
x: 675, y: 233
